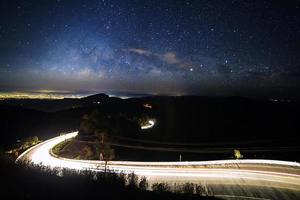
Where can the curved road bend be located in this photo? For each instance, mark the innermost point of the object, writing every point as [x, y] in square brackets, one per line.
[228, 179]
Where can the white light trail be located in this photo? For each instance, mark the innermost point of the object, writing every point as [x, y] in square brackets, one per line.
[273, 173]
[149, 125]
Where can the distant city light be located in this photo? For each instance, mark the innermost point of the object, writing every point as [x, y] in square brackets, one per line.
[41, 94]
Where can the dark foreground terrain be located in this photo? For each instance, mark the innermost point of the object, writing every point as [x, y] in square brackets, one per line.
[34, 182]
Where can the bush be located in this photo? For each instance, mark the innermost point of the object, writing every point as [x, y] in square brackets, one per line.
[161, 187]
[40, 182]
[143, 185]
[200, 190]
[132, 181]
[188, 188]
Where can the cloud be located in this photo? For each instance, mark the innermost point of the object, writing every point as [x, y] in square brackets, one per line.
[171, 58]
[139, 51]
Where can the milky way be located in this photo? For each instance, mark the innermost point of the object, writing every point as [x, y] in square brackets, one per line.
[156, 47]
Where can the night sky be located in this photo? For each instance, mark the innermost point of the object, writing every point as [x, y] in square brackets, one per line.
[204, 47]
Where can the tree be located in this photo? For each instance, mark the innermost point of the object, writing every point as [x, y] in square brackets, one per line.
[132, 180]
[95, 123]
[86, 126]
[28, 142]
[237, 154]
[106, 153]
[143, 185]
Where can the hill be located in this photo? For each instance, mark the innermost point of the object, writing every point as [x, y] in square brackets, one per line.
[188, 119]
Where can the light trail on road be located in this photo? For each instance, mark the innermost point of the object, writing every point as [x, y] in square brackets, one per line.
[150, 125]
[280, 176]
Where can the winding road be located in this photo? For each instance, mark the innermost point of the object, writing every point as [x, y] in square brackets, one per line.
[227, 179]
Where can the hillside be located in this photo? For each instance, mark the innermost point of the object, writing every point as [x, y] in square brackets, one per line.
[184, 119]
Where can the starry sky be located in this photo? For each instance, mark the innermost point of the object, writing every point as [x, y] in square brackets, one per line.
[172, 47]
